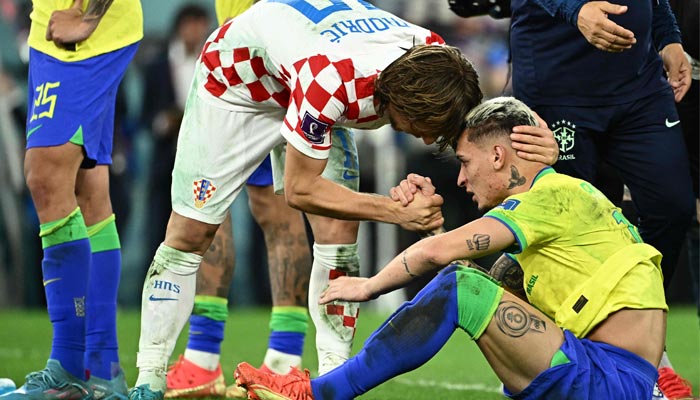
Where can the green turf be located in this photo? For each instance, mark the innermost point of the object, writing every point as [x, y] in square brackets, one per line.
[457, 372]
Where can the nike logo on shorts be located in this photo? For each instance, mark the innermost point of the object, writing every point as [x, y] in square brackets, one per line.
[349, 176]
[46, 282]
[154, 298]
[670, 124]
[33, 130]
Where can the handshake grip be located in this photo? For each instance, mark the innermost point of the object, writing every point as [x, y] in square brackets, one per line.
[505, 270]
[497, 9]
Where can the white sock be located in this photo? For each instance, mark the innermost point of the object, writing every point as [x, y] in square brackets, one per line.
[279, 362]
[166, 305]
[203, 359]
[335, 322]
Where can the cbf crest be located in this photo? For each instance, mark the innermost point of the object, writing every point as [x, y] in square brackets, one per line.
[203, 190]
[564, 132]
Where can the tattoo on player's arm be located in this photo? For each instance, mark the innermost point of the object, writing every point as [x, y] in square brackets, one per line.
[515, 178]
[96, 9]
[515, 320]
[405, 265]
[480, 241]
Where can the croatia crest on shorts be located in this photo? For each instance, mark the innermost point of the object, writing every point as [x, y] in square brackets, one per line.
[203, 190]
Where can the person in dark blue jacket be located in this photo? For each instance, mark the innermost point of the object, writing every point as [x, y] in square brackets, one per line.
[603, 90]
[606, 78]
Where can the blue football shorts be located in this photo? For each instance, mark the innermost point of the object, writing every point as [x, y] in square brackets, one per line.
[262, 176]
[74, 102]
[595, 371]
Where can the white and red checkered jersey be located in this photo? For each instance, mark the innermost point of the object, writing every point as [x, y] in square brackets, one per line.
[316, 58]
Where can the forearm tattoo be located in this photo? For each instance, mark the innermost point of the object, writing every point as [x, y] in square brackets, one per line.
[515, 178]
[515, 320]
[405, 265]
[96, 9]
[479, 241]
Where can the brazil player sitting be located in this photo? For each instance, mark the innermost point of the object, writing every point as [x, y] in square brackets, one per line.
[596, 310]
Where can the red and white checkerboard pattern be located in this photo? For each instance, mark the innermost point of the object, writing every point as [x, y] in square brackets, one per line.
[349, 316]
[241, 72]
[271, 57]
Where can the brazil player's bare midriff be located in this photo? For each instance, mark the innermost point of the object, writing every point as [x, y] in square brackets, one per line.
[643, 332]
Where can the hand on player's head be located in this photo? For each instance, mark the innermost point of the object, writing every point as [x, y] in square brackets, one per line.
[535, 143]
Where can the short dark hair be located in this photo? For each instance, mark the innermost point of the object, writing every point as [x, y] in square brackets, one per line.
[188, 11]
[497, 117]
[433, 87]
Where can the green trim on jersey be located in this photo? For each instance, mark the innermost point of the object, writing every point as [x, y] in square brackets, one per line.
[580, 257]
[103, 235]
[289, 319]
[212, 307]
[545, 171]
[515, 229]
[64, 230]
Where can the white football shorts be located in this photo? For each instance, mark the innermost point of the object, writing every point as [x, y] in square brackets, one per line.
[218, 149]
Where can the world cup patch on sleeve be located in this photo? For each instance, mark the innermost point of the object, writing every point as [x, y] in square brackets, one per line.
[509, 204]
[314, 130]
[203, 190]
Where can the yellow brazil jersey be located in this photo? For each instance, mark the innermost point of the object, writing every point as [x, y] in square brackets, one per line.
[582, 260]
[121, 26]
[227, 9]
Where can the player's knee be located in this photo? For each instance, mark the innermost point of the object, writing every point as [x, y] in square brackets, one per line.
[39, 187]
[48, 195]
[478, 296]
[174, 260]
[188, 235]
[450, 269]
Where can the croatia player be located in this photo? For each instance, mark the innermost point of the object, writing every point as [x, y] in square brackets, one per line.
[311, 65]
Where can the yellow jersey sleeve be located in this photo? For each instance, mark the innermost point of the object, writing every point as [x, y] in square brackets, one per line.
[532, 216]
[227, 9]
[581, 259]
[121, 26]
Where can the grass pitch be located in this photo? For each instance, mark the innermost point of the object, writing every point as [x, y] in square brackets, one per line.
[457, 372]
